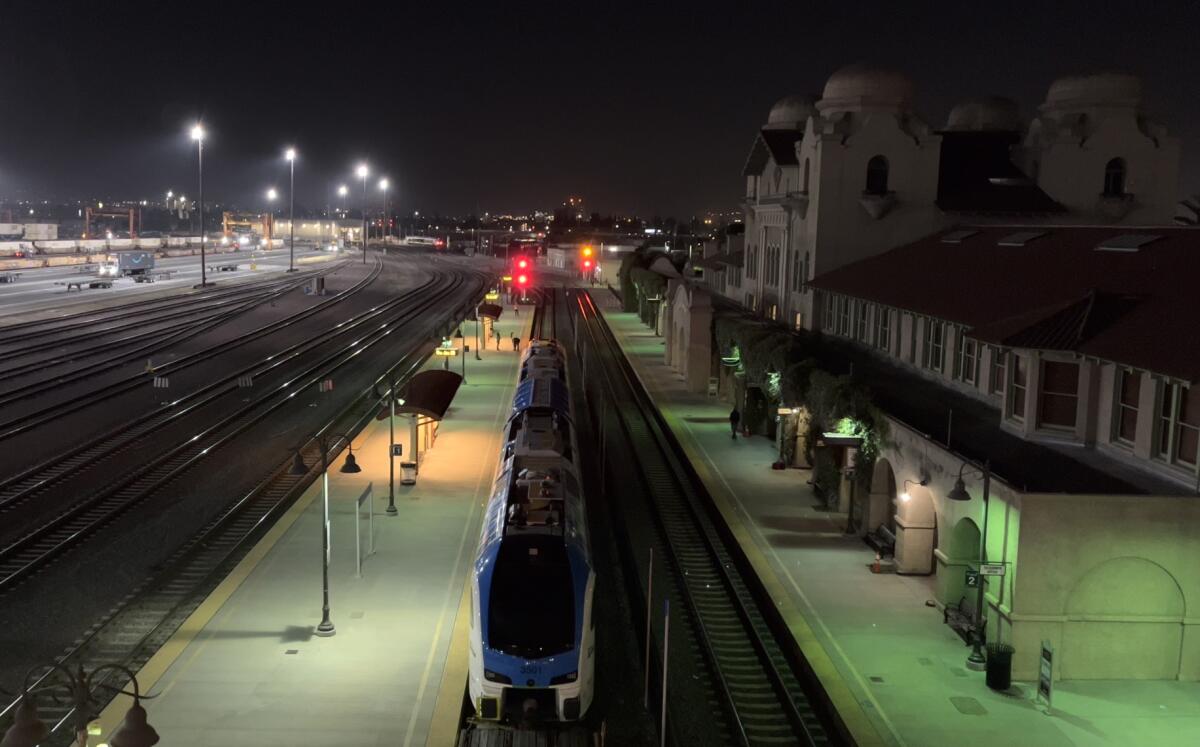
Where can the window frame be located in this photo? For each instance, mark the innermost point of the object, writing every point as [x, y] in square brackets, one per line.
[930, 345]
[998, 370]
[843, 316]
[1116, 170]
[883, 327]
[1173, 393]
[1015, 389]
[1043, 393]
[861, 328]
[960, 359]
[877, 177]
[1122, 408]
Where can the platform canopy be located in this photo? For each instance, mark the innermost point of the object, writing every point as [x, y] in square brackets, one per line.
[429, 393]
[490, 310]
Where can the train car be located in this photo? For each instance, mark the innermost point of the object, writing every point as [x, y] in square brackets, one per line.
[532, 638]
[131, 262]
[543, 359]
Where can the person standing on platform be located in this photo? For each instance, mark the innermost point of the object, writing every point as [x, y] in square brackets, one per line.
[735, 417]
[516, 343]
[496, 333]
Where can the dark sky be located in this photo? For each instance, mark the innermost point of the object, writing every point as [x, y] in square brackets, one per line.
[511, 106]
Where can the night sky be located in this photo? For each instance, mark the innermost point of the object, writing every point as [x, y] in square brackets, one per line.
[512, 106]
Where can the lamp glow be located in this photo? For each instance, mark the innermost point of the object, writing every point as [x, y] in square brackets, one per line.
[272, 194]
[362, 171]
[383, 184]
[197, 132]
[342, 191]
[290, 154]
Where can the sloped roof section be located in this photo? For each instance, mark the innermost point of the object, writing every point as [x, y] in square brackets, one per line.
[777, 144]
[1058, 292]
[976, 175]
[430, 393]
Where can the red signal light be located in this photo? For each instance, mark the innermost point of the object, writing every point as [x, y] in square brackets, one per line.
[522, 263]
[587, 264]
[522, 280]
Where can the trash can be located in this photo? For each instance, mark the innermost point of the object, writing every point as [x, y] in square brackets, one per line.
[408, 473]
[999, 665]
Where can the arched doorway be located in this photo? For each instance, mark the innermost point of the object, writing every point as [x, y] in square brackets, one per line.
[881, 500]
[755, 412]
[1124, 620]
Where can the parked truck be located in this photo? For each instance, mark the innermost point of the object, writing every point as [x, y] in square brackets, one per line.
[120, 264]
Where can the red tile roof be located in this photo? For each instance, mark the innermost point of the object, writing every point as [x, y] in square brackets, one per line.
[1139, 308]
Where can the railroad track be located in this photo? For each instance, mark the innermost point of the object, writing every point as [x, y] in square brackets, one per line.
[135, 346]
[50, 413]
[740, 669]
[154, 611]
[126, 312]
[35, 550]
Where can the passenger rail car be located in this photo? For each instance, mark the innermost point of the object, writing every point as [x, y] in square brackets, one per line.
[532, 640]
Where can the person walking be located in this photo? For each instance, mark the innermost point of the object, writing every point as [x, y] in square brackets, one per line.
[735, 417]
[516, 343]
[496, 334]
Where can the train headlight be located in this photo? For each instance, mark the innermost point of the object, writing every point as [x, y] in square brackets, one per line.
[563, 679]
[491, 676]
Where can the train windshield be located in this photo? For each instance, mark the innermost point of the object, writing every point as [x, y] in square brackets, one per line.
[531, 610]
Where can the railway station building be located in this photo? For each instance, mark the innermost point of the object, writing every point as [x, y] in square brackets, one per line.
[1012, 293]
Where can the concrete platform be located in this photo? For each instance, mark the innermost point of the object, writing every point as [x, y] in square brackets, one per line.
[895, 670]
[246, 669]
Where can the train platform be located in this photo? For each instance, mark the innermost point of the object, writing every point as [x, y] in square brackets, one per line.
[895, 672]
[247, 669]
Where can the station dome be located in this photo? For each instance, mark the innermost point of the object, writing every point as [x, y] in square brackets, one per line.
[791, 112]
[861, 86]
[988, 113]
[1101, 89]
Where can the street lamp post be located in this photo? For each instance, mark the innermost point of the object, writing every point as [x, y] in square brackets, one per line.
[343, 190]
[391, 507]
[198, 136]
[383, 232]
[80, 687]
[362, 172]
[290, 154]
[976, 660]
[270, 225]
[299, 468]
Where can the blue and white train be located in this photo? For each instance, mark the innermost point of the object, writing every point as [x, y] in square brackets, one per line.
[532, 653]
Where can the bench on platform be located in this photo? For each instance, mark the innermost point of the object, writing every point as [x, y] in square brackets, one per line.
[882, 540]
[961, 619]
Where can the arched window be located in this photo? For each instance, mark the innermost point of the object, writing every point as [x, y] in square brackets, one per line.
[1114, 178]
[877, 176]
[805, 189]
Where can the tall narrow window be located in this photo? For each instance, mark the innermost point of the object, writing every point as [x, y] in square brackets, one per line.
[1129, 384]
[1017, 385]
[860, 321]
[805, 176]
[966, 362]
[1059, 394]
[829, 322]
[934, 355]
[1179, 425]
[1114, 178]
[999, 359]
[883, 328]
[877, 176]
[843, 327]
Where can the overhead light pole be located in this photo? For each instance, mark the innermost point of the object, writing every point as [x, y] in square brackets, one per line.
[300, 469]
[198, 136]
[976, 660]
[343, 190]
[383, 187]
[362, 172]
[270, 223]
[290, 155]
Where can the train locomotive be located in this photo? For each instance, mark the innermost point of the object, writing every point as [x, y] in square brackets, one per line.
[532, 636]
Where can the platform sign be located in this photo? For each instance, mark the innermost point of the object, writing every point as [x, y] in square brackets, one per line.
[992, 569]
[397, 450]
[1046, 673]
[972, 579]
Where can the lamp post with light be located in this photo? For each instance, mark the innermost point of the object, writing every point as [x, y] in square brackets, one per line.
[383, 232]
[343, 190]
[80, 687]
[976, 660]
[270, 226]
[198, 136]
[362, 172]
[300, 469]
[290, 155]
